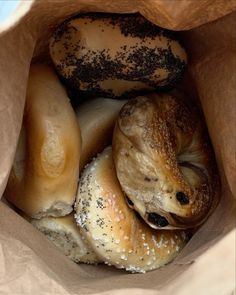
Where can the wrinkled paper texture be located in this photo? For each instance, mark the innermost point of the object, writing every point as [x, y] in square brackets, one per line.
[29, 263]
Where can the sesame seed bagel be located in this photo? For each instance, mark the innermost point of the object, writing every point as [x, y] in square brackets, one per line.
[114, 231]
[65, 234]
[112, 55]
[44, 175]
[96, 119]
[164, 161]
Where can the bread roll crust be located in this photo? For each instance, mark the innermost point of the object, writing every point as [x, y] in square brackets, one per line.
[113, 230]
[44, 176]
[97, 119]
[164, 161]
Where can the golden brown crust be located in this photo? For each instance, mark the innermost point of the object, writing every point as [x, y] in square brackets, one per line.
[114, 231]
[164, 161]
[44, 175]
[97, 119]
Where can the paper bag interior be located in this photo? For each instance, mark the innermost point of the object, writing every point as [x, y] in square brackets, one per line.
[29, 262]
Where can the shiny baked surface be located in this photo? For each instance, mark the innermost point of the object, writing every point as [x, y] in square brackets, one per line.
[164, 161]
[113, 230]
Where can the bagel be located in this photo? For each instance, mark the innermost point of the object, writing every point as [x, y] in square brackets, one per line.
[96, 119]
[65, 234]
[44, 176]
[113, 55]
[116, 234]
[164, 161]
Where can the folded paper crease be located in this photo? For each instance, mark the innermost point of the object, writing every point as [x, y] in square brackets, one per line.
[29, 263]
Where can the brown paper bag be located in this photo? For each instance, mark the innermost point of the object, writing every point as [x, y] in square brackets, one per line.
[29, 263]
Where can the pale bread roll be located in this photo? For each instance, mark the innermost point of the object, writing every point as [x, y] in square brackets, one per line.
[113, 230]
[97, 119]
[65, 234]
[45, 172]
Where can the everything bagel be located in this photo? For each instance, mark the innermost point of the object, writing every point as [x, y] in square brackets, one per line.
[116, 234]
[164, 161]
[65, 234]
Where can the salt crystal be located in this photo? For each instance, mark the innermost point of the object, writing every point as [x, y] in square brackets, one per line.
[123, 257]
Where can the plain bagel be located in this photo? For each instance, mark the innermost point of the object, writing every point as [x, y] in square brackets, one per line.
[164, 161]
[44, 176]
[114, 231]
[112, 55]
[96, 119]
